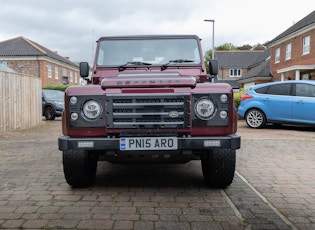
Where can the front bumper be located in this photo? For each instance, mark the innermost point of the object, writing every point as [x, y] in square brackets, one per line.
[232, 141]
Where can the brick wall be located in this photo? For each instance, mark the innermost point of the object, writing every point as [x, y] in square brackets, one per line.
[28, 67]
[38, 68]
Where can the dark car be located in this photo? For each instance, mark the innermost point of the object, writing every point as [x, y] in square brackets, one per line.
[279, 102]
[53, 103]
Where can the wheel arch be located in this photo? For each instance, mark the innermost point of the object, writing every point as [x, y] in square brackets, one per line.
[257, 105]
[251, 108]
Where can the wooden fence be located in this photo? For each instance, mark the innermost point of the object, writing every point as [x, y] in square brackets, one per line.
[20, 101]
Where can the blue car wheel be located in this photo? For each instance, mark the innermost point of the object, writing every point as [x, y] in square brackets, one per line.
[255, 118]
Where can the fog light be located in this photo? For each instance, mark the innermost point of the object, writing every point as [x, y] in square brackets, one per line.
[85, 144]
[74, 116]
[223, 114]
[212, 143]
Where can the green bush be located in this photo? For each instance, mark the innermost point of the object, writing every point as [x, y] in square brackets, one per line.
[237, 98]
[58, 87]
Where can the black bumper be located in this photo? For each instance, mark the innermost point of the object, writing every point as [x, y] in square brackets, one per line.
[232, 141]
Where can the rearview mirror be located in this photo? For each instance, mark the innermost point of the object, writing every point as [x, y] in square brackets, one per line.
[213, 67]
[84, 69]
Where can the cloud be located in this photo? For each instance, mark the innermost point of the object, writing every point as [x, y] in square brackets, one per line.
[71, 27]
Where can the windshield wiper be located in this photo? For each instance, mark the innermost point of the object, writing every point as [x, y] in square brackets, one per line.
[122, 67]
[163, 67]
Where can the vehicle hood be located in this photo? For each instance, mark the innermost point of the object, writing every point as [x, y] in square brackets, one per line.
[152, 80]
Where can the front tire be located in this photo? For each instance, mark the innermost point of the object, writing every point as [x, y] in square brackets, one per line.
[218, 168]
[49, 113]
[255, 118]
[79, 167]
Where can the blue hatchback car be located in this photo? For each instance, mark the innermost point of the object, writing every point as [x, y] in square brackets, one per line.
[279, 102]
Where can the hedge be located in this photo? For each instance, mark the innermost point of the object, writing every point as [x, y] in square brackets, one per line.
[58, 87]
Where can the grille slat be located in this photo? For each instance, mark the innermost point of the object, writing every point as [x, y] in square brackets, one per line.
[147, 111]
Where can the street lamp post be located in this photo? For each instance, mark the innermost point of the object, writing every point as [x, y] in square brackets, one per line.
[211, 20]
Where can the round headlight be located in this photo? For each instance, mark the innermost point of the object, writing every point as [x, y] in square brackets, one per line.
[204, 108]
[92, 109]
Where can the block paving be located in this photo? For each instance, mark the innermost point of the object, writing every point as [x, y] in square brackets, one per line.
[274, 187]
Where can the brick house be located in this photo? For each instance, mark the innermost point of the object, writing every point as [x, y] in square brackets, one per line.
[27, 57]
[258, 71]
[292, 53]
[243, 68]
[235, 64]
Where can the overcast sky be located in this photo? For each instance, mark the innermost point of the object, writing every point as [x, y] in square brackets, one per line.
[71, 27]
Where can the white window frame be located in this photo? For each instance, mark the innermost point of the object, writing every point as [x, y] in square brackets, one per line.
[71, 76]
[49, 73]
[64, 73]
[235, 72]
[288, 50]
[306, 44]
[277, 55]
[75, 77]
[56, 72]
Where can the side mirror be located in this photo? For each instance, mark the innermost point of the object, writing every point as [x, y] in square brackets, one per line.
[213, 67]
[84, 69]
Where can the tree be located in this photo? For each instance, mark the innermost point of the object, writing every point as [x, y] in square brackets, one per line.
[259, 47]
[230, 46]
[226, 46]
[245, 47]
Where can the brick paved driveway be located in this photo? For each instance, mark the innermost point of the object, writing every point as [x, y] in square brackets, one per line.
[274, 187]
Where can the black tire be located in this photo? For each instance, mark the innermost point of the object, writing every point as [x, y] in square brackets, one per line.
[79, 167]
[255, 118]
[218, 168]
[49, 113]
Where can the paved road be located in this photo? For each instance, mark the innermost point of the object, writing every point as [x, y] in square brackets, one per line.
[274, 187]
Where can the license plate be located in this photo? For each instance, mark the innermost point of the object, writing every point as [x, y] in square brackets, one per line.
[148, 143]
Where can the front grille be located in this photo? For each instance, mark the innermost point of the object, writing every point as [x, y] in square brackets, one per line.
[148, 111]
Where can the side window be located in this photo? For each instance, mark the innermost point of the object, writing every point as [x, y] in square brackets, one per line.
[279, 89]
[261, 90]
[305, 90]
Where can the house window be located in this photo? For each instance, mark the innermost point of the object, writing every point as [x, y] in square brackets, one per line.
[75, 77]
[71, 76]
[235, 72]
[56, 73]
[64, 72]
[277, 55]
[288, 48]
[48, 70]
[306, 45]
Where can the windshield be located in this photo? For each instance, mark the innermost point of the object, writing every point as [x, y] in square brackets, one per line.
[183, 51]
[53, 94]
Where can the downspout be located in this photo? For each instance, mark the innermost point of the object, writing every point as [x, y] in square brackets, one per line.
[39, 70]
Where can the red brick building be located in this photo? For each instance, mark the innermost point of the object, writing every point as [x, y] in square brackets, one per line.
[28, 57]
[292, 53]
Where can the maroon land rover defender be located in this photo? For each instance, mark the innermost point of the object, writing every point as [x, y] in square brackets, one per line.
[149, 101]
